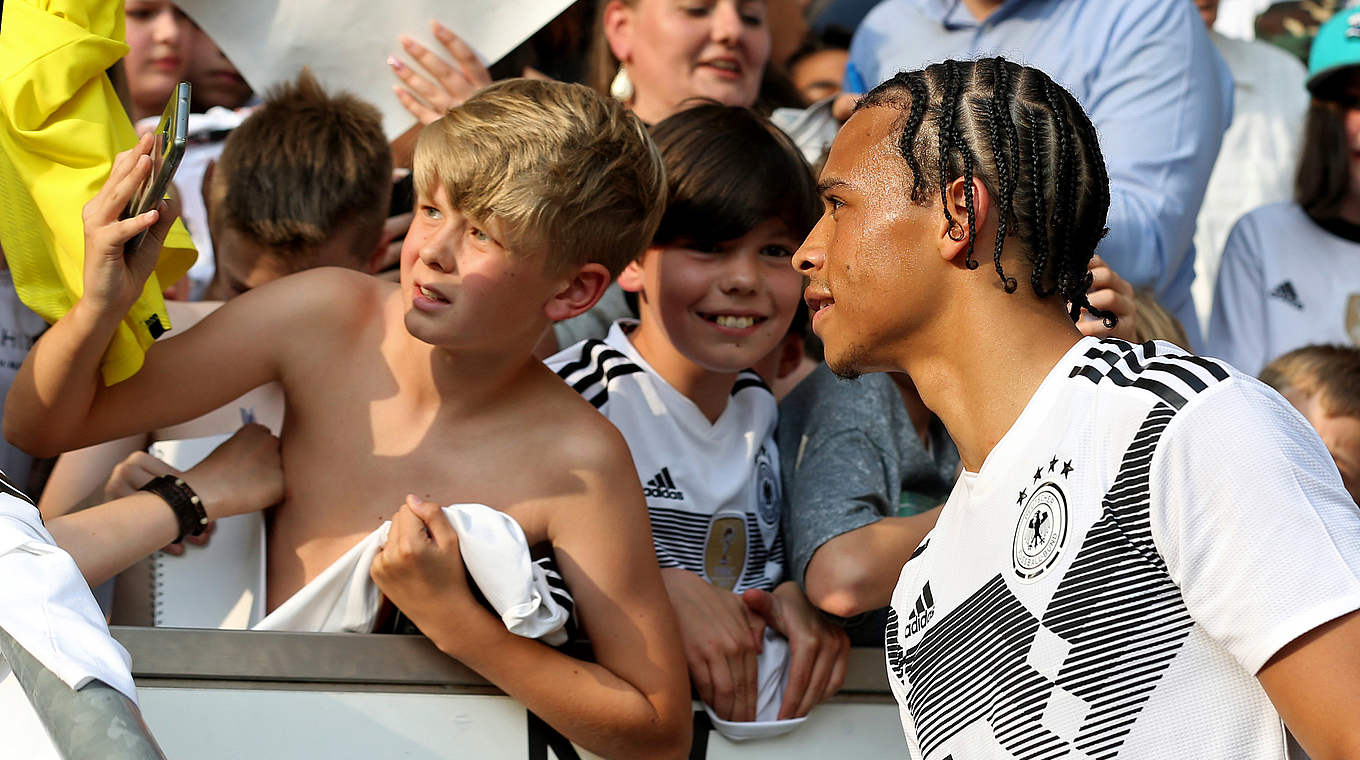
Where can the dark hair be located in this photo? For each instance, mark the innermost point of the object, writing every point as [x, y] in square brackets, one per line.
[1324, 174]
[1029, 143]
[727, 171]
[305, 166]
[830, 38]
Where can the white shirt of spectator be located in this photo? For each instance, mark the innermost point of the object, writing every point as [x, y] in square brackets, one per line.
[1284, 283]
[1260, 152]
[1237, 18]
[1149, 532]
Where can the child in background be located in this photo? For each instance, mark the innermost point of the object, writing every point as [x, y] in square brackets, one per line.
[301, 143]
[1323, 383]
[531, 196]
[716, 294]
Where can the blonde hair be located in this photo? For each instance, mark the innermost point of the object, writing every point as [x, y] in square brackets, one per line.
[1329, 372]
[1151, 321]
[564, 170]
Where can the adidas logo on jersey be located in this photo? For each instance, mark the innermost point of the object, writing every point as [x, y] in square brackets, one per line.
[922, 613]
[662, 487]
[1285, 292]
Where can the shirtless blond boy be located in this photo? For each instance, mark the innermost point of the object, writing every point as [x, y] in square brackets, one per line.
[531, 196]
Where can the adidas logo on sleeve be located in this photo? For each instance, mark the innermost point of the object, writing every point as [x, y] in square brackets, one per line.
[661, 486]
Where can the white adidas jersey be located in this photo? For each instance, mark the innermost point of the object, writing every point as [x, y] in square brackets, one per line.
[1284, 283]
[712, 489]
[1149, 532]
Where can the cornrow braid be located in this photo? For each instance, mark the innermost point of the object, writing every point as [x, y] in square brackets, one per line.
[920, 100]
[1002, 151]
[1064, 205]
[1041, 247]
[946, 133]
[960, 144]
[1101, 197]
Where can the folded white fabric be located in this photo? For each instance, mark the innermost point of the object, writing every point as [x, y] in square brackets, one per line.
[495, 551]
[46, 606]
[772, 674]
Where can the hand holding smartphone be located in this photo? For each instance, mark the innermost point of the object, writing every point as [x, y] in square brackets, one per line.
[167, 149]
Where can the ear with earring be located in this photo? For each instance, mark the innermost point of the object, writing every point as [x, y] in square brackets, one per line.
[956, 232]
[622, 86]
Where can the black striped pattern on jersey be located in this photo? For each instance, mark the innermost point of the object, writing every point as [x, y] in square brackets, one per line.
[560, 593]
[972, 666]
[748, 378]
[1172, 377]
[590, 373]
[1116, 607]
[679, 537]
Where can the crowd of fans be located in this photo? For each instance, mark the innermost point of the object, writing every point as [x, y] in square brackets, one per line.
[634, 235]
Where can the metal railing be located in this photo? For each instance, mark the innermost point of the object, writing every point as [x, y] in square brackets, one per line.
[95, 722]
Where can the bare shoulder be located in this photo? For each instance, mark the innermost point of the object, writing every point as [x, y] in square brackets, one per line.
[333, 291]
[582, 458]
[584, 439]
[313, 305]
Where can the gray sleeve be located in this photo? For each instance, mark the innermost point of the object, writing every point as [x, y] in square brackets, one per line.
[837, 483]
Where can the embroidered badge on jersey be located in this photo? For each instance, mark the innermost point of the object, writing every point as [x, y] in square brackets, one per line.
[767, 496]
[1041, 531]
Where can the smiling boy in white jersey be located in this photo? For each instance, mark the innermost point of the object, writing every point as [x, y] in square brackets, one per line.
[716, 295]
[1149, 554]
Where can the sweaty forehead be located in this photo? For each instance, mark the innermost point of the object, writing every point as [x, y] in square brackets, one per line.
[864, 156]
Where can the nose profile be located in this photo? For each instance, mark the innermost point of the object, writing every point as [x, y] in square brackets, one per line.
[810, 255]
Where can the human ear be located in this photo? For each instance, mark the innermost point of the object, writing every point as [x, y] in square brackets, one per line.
[618, 29]
[632, 277]
[953, 236]
[578, 294]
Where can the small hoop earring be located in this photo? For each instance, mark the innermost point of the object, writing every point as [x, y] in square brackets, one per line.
[621, 88]
[956, 232]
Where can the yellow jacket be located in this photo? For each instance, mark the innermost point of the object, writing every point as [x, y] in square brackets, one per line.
[62, 125]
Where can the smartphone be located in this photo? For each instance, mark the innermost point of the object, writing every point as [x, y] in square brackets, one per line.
[167, 148]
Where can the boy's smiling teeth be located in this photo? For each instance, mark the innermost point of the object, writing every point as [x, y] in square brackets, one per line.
[430, 294]
[729, 320]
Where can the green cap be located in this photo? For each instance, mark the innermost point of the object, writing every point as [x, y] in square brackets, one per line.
[1335, 49]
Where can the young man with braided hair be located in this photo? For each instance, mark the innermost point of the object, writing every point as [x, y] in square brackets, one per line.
[1148, 76]
[1148, 554]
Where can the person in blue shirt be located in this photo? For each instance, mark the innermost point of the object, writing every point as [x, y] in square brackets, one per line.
[1145, 70]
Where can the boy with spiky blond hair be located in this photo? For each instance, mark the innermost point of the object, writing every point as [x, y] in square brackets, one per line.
[531, 197]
